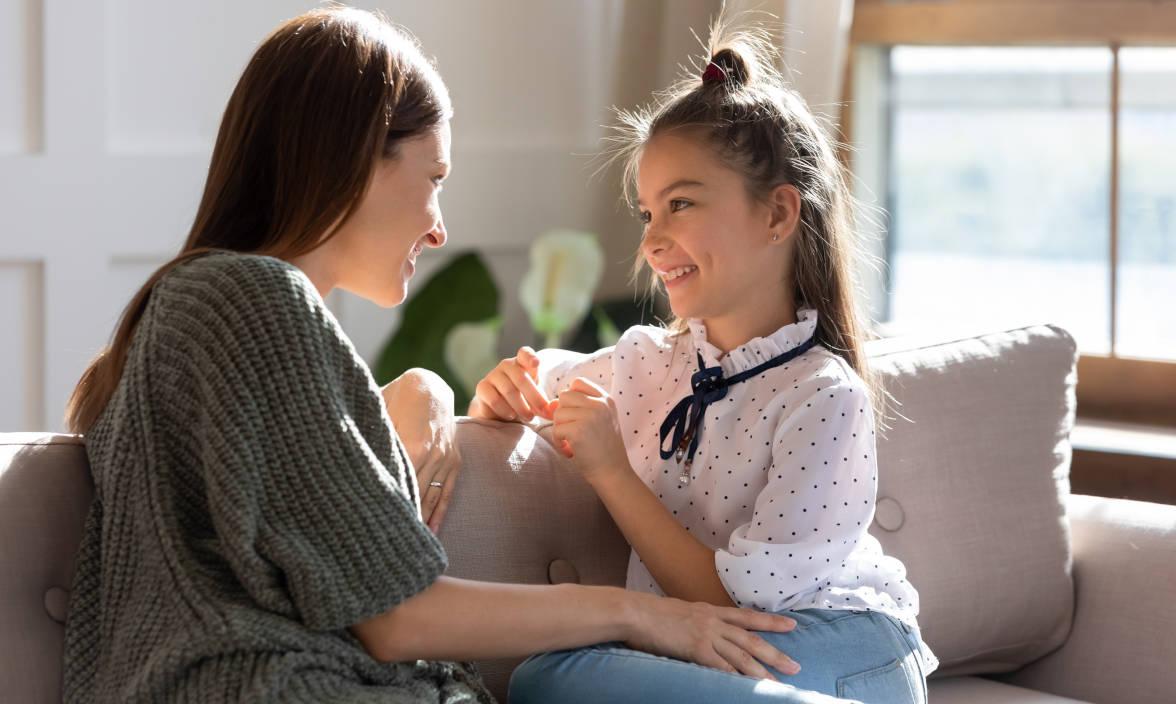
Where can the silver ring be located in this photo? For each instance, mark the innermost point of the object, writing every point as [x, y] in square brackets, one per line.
[437, 484]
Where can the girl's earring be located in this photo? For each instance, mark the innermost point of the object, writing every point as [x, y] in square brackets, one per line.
[776, 237]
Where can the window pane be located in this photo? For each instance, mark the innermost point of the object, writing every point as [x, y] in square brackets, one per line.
[1147, 203]
[999, 188]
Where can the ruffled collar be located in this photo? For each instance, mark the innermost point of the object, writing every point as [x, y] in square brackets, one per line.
[757, 350]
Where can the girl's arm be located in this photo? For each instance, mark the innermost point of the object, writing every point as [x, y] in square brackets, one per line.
[682, 565]
[587, 430]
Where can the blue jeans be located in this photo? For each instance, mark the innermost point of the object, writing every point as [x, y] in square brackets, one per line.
[862, 656]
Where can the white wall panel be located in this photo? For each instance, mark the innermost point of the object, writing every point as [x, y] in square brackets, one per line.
[22, 354]
[20, 76]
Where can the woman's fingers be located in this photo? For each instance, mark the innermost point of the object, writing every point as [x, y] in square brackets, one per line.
[763, 651]
[741, 660]
[751, 620]
[446, 492]
[711, 658]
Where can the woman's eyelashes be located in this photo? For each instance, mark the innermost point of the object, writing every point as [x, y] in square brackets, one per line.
[675, 205]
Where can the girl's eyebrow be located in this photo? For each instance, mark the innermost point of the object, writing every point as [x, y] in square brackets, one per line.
[680, 183]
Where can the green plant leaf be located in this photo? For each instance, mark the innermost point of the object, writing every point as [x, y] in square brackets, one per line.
[460, 292]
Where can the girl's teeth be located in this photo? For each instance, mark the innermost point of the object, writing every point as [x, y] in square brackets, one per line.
[680, 271]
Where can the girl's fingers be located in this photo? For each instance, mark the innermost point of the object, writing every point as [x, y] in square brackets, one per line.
[561, 442]
[529, 361]
[572, 414]
[587, 387]
[493, 400]
[763, 651]
[742, 660]
[534, 397]
[511, 394]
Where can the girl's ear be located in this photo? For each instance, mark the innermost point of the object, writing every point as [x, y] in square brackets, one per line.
[784, 202]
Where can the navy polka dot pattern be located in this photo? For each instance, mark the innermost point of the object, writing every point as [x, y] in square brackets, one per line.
[785, 479]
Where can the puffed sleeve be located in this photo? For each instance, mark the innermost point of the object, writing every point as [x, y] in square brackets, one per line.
[816, 506]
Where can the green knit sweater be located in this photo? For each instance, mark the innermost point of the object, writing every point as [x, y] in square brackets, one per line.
[252, 501]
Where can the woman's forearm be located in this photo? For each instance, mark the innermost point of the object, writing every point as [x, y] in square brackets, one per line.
[457, 619]
[683, 566]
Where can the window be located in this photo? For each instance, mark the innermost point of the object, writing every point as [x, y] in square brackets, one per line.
[1025, 157]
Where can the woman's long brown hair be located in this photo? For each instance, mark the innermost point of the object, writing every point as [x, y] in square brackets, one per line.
[325, 96]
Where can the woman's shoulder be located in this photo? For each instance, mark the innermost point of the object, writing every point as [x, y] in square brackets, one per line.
[260, 278]
[231, 296]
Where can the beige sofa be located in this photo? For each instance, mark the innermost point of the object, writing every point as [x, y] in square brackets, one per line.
[1029, 594]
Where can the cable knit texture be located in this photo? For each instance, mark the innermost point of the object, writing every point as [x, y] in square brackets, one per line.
[252, 501]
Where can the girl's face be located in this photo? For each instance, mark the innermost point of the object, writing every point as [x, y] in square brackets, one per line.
[709, 242]
[374, 254]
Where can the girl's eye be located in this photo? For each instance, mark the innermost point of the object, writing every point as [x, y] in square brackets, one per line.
[678, 204]
[438, 180]
[644, 217]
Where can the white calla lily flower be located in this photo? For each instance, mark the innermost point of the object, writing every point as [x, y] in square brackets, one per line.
[471, 351]
[566, 266]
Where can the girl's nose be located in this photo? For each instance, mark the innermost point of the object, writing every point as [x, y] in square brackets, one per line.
[438, 236]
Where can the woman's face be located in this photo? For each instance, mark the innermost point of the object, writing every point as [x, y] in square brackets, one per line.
[374, 253]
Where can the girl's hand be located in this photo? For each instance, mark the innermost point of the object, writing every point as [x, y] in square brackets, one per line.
[420, 405]
[511, 392]
[714, 636]
[588, 430]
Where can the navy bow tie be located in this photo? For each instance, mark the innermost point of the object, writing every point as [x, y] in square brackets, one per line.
[709, 385]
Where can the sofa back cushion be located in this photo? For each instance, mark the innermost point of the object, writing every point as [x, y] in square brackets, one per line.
[972, 487]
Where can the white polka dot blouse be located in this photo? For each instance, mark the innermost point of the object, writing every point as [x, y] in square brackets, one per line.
[785, 476]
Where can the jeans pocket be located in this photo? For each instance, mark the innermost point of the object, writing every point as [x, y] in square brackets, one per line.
[889, 684]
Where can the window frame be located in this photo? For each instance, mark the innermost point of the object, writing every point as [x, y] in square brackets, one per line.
[1110, 386]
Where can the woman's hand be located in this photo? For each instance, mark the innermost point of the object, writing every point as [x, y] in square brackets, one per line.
[510, 391]
[588, 430]
[715, 636]
[420, 404]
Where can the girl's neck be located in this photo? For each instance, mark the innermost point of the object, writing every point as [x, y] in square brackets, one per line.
[726, 332]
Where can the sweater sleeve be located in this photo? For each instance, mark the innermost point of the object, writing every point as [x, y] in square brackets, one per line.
[310, 493]
[816, 506]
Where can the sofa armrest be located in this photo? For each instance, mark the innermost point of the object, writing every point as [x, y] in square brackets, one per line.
[1121, 647]
[521, 513]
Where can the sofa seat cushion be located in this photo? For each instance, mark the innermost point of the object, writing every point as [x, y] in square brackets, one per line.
[978, 690]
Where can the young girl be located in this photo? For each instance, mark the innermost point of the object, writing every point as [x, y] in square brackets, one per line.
[735, 449]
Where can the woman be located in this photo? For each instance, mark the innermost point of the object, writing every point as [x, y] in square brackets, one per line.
[256, 531]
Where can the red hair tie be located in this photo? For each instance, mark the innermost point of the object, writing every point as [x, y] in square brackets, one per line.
[713, 73]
